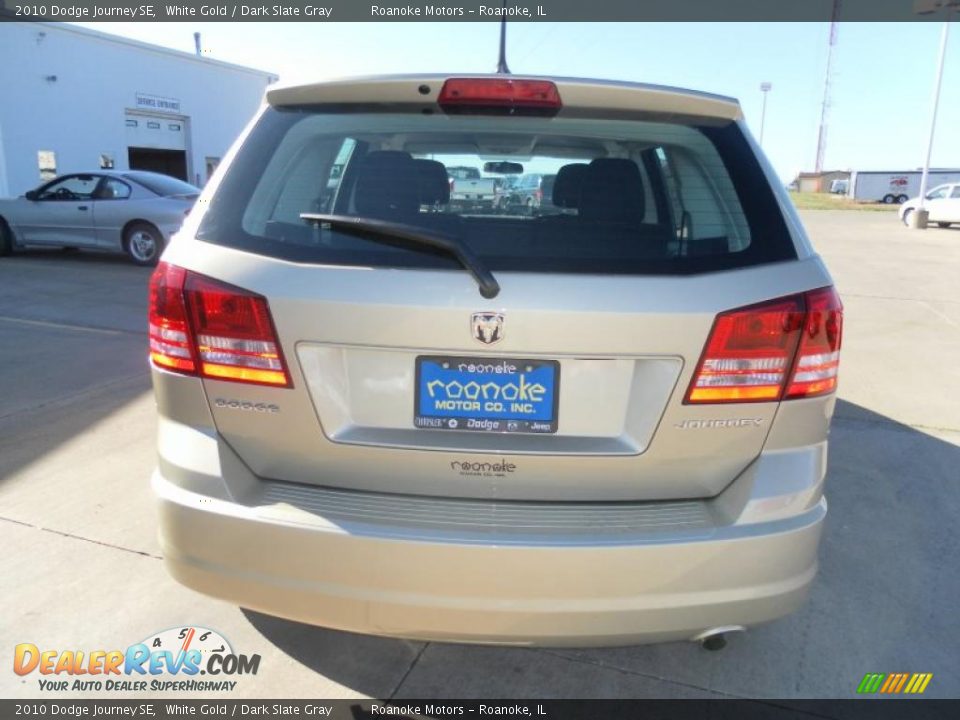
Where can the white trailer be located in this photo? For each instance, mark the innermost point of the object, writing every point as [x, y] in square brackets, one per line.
[894, 187]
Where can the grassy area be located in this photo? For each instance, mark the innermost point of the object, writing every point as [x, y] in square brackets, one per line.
[829, 201]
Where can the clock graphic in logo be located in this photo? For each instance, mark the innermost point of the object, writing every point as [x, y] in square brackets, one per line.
[181, 639]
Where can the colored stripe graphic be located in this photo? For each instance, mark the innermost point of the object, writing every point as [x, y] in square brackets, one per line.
[890, 683]
[894, 683]
[871, 682]
[923, 679]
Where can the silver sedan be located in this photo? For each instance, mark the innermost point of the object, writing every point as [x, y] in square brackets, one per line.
[134, 211]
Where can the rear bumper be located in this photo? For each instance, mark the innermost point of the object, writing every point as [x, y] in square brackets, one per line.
[363, 562]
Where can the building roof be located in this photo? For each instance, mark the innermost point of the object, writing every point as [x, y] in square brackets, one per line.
[822, 173]
[179, 54]
[906, 172]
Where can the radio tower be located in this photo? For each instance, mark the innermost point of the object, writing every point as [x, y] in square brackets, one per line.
[825, 105]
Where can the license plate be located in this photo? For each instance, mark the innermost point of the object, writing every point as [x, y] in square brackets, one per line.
[487, 394]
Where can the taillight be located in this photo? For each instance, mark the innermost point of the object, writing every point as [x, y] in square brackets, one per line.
[170, 345]
[818, 358]
[500, 95]
[753, 352]
[200, 326]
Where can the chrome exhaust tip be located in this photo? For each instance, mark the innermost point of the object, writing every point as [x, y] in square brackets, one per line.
[715, 638]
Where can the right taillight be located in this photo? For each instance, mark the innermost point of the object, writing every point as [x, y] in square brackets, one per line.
[201, 326]
[818, 357]
[781, 349]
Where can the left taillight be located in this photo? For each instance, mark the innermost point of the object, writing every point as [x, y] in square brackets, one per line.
[201, 326]
[170, 345]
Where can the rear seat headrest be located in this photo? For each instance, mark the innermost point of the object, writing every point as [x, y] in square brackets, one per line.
[567, 186]
[612, 191]
[433, 184]
[387, 184]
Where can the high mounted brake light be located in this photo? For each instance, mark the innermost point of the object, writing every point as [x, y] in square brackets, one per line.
[200, 326]
[753, 352]
[500, 95]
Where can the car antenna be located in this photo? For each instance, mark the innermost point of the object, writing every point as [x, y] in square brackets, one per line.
[502, 68]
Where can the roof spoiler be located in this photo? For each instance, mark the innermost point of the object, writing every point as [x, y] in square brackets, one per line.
[579, 96]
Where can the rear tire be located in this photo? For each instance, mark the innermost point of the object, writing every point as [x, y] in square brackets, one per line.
[143, 244]
[6, 239]
[901, 199]
[889, 200]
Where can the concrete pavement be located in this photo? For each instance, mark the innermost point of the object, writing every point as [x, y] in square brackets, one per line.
[81, 568]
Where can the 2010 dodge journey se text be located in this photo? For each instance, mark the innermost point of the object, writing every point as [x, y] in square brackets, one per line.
[596, 416]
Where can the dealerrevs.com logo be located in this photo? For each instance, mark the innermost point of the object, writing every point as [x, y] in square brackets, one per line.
[184, 659]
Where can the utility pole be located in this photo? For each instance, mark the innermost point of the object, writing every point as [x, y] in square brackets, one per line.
[825, 105]
[764, 88]
[919, 217]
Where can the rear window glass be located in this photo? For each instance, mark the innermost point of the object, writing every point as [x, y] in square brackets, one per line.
[163, 184]
[576, 195]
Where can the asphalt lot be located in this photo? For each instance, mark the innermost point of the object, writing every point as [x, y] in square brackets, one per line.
[80, 566]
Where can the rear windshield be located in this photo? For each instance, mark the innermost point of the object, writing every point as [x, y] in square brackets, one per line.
[163, 184]
[568, 195]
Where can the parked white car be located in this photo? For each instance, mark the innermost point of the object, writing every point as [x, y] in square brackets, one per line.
[943, 204]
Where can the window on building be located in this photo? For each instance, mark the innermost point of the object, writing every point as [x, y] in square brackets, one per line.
[131, 123]
[47, 163]
[174, 126]
[106, 161]
[153, 125]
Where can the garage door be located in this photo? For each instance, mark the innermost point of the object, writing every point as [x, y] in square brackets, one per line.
[157, 143]
[156, 131]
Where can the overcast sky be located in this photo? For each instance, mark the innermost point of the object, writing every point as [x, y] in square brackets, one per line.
[883, 73]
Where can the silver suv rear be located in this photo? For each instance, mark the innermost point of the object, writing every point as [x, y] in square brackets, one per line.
[603, 424]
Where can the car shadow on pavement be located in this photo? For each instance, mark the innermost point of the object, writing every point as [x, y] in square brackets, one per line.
[74, 255]
[883, 601]
[73, 347]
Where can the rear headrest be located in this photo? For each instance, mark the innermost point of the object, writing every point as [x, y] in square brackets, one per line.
[433, 183]
[612, 191]
[387, 184]
[566, 188]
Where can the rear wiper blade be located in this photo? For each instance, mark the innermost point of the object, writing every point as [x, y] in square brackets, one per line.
[383, 230]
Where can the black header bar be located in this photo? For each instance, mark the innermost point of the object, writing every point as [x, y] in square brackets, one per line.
[721, 709]
[469, 11]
